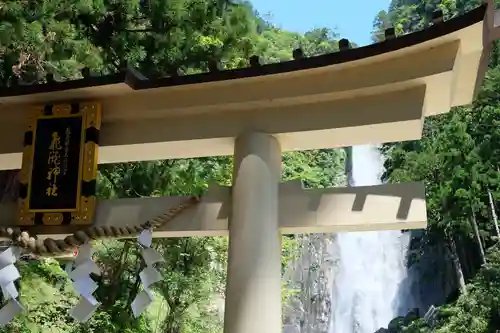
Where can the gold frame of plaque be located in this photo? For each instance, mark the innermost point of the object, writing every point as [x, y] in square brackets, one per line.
[59, 167]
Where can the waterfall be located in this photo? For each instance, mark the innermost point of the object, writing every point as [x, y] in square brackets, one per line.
[365, 291]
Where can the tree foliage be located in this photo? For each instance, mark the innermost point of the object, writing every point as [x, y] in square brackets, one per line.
[457, 159]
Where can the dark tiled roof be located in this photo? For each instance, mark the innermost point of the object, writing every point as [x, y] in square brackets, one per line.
[346, 54]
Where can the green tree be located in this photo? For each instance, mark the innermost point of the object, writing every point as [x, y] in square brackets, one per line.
[38, 38]
[457, 160]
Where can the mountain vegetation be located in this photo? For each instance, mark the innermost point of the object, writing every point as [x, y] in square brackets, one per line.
[457, 159]
[56, 39]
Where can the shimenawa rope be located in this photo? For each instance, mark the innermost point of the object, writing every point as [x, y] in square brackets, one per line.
[51, 246]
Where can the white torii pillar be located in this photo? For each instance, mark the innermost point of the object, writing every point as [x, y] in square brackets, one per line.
[253, 290]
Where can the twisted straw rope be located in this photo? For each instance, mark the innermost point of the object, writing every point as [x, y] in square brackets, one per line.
[51, 246]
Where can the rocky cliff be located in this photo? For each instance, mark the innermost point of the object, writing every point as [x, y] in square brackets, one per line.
[312, 274]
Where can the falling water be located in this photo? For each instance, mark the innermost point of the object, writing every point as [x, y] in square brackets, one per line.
[371, 265]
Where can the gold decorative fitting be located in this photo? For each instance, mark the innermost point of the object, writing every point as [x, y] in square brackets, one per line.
[26, 218]
[86, 213]
[61, 110]
[52, 218]
[90, 161]
[93, 112]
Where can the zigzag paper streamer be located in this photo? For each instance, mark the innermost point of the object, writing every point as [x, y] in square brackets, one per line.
[148, 275]
[83, 283]
[9, 274]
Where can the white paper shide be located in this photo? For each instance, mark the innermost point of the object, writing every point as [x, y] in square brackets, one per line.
[9, 274]
[148, 275]
[83, 283]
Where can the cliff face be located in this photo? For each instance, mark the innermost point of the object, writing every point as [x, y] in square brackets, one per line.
[432, 278]
[312, 274]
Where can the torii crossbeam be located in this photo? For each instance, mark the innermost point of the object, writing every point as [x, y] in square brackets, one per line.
[369, 95]
[367, 208]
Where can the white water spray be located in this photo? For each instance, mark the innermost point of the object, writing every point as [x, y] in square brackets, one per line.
[371, 266]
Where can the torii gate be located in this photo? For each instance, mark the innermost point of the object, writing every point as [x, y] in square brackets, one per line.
[374, 94]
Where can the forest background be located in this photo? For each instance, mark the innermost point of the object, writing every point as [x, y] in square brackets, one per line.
[457, 158]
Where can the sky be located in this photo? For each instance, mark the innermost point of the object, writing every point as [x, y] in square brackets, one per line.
[351, 19]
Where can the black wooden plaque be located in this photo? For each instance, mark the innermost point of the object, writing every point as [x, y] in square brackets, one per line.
[55, 175]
